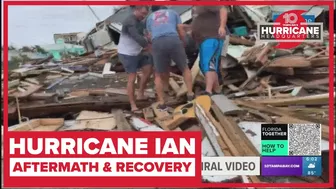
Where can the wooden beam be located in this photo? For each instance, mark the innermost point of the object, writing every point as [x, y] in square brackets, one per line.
[194, 72]
[277, 111]
[148, 113]
[122, 123]
[237, 137]
[227, 106]
[320, 99]
[173, 84]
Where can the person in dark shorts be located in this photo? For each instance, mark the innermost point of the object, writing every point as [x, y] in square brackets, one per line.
[132, 53]
[208, 30]
[167, 35]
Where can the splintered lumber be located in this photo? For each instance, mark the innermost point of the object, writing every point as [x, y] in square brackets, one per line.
[315, 84]
[46, 124]
[210, 130]
[121, 122]
[321, 61]
[226, 105]
[32, 80]
[42, 96]
[148, 114]
[235, 134]
[90, 103]
[278, 111]
[211, 126]
[320, 99]
[288, 119]
[243, 85]
[90, 120]
[31, 89]
[242, 144]
[173, 84]
[194, 72]
[162, 114]
[114, 91]
[13, 83]
[291, 61]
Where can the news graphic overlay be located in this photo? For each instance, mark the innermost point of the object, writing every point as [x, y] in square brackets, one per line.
[274, 140]
[290, 29]
[291, 150]
[229, 166]
[103, 159]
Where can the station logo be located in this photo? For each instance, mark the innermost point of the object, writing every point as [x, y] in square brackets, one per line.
[290, 29]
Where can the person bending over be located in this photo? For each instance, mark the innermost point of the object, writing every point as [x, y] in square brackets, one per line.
[167, 35]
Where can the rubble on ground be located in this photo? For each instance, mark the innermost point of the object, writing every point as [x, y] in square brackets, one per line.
[261, 83]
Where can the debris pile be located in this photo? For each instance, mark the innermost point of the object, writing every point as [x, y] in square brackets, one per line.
[261, 84]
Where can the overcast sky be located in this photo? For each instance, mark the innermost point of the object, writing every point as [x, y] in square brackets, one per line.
[34, 25]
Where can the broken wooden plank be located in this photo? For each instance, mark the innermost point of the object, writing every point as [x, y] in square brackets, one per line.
[107, 70]
[320, 61]
[210, 130]
[90, 120]
[114, 91]
[261, 69]
[320, 99]
[14, 83]
[174, 85]
[121, 122]
[148, 114]
[194, 72]
[277, 111]
[67, 70]
[242, 144]
[96, 74]
[46, 124]
[281, 71]
[27, 93]
[291, 61]
[42, 96]
[32, 80]
[57, 82]
[227, 106]
[315, 84]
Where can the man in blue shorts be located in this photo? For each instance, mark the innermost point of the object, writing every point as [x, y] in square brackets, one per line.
[167, 34]
[132, 53]
[208, 30]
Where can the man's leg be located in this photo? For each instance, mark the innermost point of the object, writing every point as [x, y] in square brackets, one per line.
[179, 56]
[165, 83]
[161, 65]
[218, 63]
[130, 65]
[210, 52]
[147, 69]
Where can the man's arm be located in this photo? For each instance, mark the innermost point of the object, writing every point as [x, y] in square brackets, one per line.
[130, 25]
[148, 27]
[223, 16]
[180, 27]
